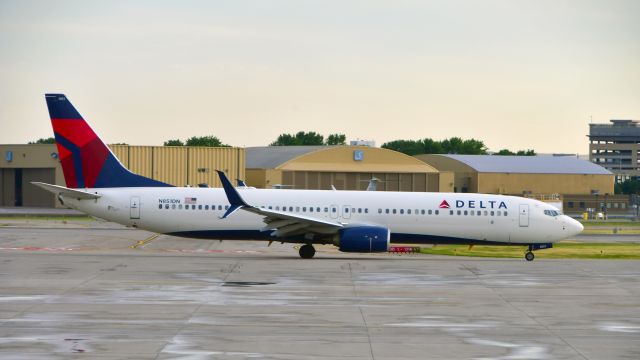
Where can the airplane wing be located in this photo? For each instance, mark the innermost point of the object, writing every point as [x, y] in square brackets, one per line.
[283, 223]
[65, 191]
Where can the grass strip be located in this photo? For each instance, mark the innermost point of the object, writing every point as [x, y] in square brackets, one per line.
[566, 250]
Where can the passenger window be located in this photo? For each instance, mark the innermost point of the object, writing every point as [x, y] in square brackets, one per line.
[486, 213]
[206, 207]
[437, 212]
[346, 209]
[499, 213]
[173, 206]
[459, 212]
[226, 207]
[180, 206]
[450, 212]
[326, 209]
[297, 208]
[401, 211]
[270, 208]
[333, 209]
[199, 207]
[492, 213]
[366, 211]
[386, 211]
[505, 213]
[290, 208]
[160, 206]
[318, 209]
[193, 207]
[394, 211]
[311, 209]
[219, 207]
[304, 209]
[379, 210]
[465, 213]
[359, 210]
[409, 211]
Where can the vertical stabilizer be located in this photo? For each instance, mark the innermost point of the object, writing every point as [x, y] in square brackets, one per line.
[86, 161]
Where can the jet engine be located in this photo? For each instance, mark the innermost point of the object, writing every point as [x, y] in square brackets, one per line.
[363, 239]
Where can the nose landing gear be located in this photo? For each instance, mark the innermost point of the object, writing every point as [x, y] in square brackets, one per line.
[529, 256]
[532, 247]
[307, 251]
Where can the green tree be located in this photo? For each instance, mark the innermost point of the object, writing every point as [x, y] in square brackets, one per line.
[174, 142]
[48, 140]
[300, 138]
[505, 152]
[210, 141]
[630, 186]
[409, 147]
[452, 145]
[336, 139]
[430, 146]
[529, 152]
[473, 147]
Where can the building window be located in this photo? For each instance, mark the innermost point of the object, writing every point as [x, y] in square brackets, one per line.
[570, 204]
[582, 205]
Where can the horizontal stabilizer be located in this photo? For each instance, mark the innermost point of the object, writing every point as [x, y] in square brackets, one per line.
[64, 191]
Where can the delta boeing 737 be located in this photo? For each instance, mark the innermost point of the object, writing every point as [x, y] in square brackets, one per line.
[354, 221]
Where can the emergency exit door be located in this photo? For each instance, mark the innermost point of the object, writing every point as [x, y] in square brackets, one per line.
[524, 215]
[135, 207]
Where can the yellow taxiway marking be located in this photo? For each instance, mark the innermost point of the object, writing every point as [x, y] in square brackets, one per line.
[144, 242]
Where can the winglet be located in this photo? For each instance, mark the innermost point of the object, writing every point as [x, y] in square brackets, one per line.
[241, 183]
[233, 196]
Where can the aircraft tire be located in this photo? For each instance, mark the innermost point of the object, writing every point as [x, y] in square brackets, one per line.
[529, 256]
[307, 251]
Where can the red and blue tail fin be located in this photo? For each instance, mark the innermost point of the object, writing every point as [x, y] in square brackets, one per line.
[86, 161]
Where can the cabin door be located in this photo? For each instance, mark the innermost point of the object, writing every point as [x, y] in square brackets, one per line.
[135, 207]
[524, 215]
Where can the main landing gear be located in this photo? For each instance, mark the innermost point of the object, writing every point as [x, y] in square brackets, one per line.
[307, 251]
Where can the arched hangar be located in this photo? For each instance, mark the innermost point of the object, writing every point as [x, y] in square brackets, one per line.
[344, 167]
[521, 175]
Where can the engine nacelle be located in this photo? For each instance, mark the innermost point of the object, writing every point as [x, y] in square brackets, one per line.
[364, 239]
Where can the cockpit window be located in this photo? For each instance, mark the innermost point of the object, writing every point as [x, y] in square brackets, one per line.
[552, 212]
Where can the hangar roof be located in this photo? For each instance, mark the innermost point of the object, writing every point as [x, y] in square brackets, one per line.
[270, 157]
[529, 164]
[334, 158]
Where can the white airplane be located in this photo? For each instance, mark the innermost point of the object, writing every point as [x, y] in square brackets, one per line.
[354, 221]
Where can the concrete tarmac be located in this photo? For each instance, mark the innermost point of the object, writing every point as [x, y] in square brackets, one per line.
[87, 289]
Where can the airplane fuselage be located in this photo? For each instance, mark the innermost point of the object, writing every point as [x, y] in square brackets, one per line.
[417, 218]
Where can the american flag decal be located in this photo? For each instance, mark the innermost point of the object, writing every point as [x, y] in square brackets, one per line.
[190, 201]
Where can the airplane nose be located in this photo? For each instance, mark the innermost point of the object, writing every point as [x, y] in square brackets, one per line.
[573, 225]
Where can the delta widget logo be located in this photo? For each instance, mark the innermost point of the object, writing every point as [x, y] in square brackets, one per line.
[444, 204]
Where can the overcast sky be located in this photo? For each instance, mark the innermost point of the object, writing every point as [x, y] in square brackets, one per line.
[515, 74]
